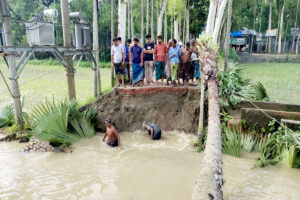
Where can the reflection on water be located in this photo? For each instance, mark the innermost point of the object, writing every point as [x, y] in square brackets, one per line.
[140, 169]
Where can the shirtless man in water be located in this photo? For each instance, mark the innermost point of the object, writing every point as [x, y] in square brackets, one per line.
[112, 134]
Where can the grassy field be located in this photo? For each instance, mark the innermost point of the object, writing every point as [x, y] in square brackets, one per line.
[44, 80]
[38, 82]
[282, 80]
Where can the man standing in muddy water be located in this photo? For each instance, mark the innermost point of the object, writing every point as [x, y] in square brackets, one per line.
[153, 130]
[112, 134]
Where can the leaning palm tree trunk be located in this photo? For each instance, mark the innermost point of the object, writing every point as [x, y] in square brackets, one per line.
[210, 180]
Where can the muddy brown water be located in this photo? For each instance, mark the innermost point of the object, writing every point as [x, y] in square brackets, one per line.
[140, 169]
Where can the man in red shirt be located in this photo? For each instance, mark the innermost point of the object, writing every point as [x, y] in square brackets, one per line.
[160, 52]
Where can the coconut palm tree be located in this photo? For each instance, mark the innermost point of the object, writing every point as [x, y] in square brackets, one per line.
[281, 24]
[295, 26]
[112, 35]
[142, 23]
[270, 25]
[228, 35]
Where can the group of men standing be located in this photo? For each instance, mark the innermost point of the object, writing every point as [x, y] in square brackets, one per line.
[172, 62]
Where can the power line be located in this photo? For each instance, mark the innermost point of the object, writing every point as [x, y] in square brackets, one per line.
[262, 111]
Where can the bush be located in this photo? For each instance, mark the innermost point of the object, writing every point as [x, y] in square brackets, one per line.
[62, 124]
[234, 87]
[7, 116]
[231, 142]
[232, 55]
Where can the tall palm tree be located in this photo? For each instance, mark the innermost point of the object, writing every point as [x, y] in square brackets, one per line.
[295, 25]
[142, 23]
[147, 16]
[228, 35]
[152, 19]
[270, 25]
[112, 35]
[281, 25]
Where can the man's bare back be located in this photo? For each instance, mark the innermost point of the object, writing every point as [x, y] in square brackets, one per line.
[111, 134]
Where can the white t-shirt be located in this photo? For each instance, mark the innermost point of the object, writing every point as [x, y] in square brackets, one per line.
[117, 52]
[193, 56]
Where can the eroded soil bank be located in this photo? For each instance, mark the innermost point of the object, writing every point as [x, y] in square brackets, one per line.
[173, 108]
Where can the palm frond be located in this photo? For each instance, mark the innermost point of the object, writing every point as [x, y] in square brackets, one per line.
[259, 92]
[7, 115]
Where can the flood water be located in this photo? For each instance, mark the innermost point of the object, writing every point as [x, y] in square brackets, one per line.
[141, 169]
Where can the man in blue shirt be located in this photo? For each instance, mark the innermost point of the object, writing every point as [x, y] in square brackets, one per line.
[148, 51]
[136, 60]
[174, 54]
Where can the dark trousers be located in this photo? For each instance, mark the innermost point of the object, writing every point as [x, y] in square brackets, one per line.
[186, 71]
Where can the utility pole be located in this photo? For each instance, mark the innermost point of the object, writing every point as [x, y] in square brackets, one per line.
[96, 69]
[67, 43]
[12, 65]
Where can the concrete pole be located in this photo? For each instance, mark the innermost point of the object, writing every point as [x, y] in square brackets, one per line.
[12, 66]
[67, 43]
[96, 70]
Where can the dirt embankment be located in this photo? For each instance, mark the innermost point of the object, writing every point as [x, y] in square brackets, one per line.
[173, 108]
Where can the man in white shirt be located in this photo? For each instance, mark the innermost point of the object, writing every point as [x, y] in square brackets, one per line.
[118, 60]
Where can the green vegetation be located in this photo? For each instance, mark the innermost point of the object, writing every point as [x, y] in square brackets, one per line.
[62, 123]
[7, 115]
[234, 87]
[38, 82]
[281, 80]
[231, 142]
[281, 145]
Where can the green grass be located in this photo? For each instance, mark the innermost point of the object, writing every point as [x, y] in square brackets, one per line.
[38, 82]
[45, 79]
[281, 80]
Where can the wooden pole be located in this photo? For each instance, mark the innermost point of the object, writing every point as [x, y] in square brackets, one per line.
[12, 65]
[96, 70]
[67, 43]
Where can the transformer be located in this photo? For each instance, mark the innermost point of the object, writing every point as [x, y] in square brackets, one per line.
[40, 33]
[81, 33]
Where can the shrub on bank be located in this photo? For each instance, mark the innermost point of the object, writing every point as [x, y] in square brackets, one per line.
[62, 124]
